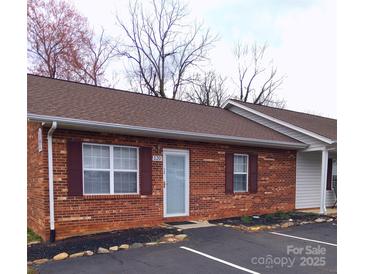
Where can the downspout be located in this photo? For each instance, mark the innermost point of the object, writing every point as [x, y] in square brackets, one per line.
[52, 235]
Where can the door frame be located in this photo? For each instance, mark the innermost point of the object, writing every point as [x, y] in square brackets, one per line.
[187, 180]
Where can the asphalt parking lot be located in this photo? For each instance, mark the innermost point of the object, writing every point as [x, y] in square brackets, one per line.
[303, 249]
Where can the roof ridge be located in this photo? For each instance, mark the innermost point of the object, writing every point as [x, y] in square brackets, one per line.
[290, 110]
[123, 90]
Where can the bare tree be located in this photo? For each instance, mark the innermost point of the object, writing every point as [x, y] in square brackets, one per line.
[257, 80]
[55, 29]
[91, 61]
[207, 89]
[162, 48]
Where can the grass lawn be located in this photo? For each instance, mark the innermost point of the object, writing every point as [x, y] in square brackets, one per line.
[31, 270]
[31, 236]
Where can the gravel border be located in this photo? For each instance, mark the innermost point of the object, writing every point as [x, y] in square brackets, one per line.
[91, 243]
[260, 223]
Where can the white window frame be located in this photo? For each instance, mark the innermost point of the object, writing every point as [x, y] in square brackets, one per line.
[241, 173]
[111, 170]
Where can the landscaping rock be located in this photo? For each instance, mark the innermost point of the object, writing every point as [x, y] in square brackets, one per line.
[102, 250]
[320, 220]
[286, 224]
[79, 254]
[254, 228]
[29, 263]
[124, 246]
[40, 261]
[168, 235]
[113, 248]
[136, 245]
[60, 256]
[34, 242]
[89, 253]
[181, 237]
[171, 240]
[329, 220]
[151, 244]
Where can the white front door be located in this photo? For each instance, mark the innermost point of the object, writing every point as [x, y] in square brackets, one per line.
[176, 182]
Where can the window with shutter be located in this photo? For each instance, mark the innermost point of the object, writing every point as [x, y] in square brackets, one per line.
[229, 173]
[253, 173]
[146, 170]
[240, 173]
[110, 169]
[74, 168]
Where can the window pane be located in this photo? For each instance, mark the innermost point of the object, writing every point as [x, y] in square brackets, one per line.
[240, 163]
[96, 182]
[125, 158]
[240, 182]
[125, 182]
[96, 156]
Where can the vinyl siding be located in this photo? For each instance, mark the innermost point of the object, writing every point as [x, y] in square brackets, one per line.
[308, 181]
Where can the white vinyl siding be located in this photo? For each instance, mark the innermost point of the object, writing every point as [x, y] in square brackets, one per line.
[308, 181]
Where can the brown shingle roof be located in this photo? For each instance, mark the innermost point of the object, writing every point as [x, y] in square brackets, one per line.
[66, 99]
[326, 127]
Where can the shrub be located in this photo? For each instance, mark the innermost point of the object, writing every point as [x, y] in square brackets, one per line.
[246, 219]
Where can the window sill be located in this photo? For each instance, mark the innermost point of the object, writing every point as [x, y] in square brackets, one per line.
[241, 192]
[110, 196]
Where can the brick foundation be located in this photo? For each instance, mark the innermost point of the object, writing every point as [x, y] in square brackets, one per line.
[90, 214]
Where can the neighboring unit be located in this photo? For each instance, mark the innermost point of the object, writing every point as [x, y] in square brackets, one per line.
[316, 164]
[101, 159]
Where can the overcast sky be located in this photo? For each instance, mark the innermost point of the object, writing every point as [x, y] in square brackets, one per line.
[301, 35]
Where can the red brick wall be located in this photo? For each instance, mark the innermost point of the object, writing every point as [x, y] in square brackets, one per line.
[88, 214]
[37, 186]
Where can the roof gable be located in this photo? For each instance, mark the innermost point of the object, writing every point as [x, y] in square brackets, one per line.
[322, 126]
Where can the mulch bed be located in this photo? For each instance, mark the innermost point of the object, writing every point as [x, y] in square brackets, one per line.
[93, 242]
[271, 219]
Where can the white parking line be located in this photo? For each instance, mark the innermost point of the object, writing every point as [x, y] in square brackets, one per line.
[219, 260]
[304, 239]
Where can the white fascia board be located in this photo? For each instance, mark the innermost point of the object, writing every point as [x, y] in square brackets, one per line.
[165, 133]
[286, 124]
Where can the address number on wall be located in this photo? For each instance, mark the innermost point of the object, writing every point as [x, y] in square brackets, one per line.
[156, 158]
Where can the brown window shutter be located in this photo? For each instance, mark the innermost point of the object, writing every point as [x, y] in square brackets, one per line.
[74, 167]
[252, 173]
[229, 173]
[145, 158]
[329, 175]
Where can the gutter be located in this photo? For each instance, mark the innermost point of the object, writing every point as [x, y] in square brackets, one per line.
[52, 234]
[166, 133]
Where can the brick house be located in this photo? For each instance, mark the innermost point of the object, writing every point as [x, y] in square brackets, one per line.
[101, 159]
